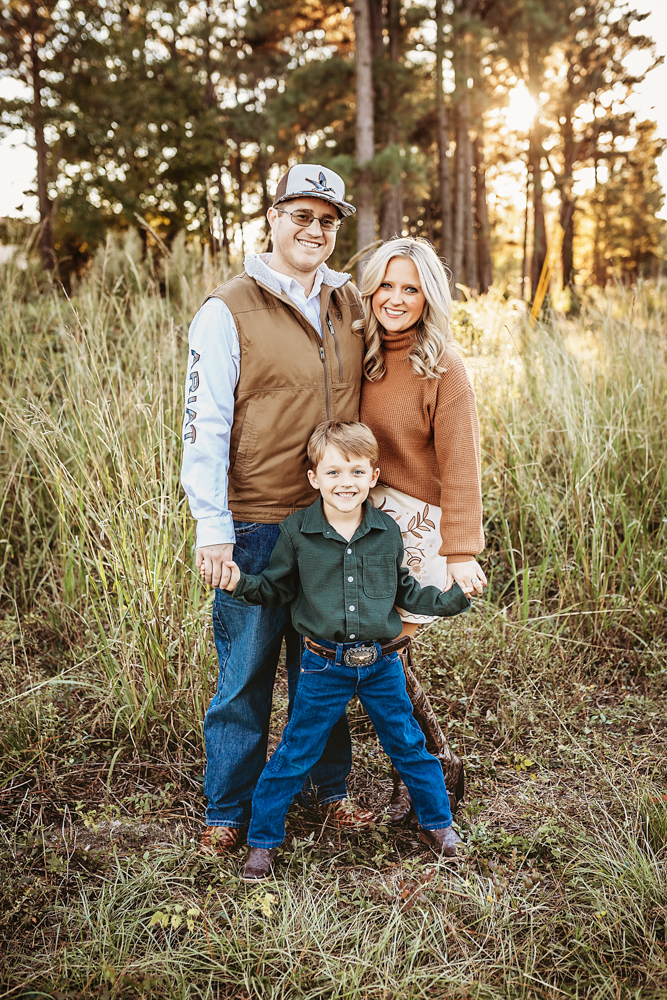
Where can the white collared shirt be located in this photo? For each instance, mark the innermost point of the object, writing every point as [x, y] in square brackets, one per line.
[310, 307]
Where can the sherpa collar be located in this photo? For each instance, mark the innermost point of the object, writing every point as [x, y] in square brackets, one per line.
[255, 267]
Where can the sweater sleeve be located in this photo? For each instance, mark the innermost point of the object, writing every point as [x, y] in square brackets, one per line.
[456, 440]
[278, 584]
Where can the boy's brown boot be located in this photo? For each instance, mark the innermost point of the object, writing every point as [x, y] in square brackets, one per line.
[259, 864]
[347, 816]
[218, 840]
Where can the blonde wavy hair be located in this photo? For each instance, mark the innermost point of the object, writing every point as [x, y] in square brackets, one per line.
[433, 331]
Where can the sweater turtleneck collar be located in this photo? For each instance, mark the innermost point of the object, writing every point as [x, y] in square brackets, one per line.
[400, 341]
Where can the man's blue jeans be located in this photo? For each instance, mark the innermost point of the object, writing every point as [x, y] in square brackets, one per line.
[236, 727]
[325, 687]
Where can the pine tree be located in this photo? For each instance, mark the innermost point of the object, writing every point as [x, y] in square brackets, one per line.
[33, 34]
[364, 124]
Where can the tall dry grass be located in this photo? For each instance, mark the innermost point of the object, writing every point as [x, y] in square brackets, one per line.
[574, 426]
[96, 535]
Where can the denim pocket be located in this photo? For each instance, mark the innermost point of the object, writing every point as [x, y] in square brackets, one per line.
[245, 527]
[311, 663]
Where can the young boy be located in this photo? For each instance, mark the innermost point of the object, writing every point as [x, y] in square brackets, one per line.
[338, 565]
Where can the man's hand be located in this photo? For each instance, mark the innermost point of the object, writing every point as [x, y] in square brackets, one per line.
[210, 561]
[469, 576]
[234, 575]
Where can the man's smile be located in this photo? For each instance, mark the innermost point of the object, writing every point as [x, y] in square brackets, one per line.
[311, 244]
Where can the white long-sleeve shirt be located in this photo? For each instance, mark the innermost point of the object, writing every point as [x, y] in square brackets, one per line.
[214, 363]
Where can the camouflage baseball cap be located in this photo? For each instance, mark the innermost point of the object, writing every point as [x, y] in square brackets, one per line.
[310, 180]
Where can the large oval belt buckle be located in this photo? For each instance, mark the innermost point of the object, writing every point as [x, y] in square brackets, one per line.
[361, 656]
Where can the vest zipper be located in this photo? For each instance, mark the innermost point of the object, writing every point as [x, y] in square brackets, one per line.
[327, 403]
[336, 348]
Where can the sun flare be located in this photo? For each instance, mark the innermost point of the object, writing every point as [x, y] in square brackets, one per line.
[521, 108]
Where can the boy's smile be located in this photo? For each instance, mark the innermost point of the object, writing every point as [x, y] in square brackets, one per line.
[344, 484]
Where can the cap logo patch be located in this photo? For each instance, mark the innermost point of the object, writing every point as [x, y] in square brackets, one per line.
[321, 183]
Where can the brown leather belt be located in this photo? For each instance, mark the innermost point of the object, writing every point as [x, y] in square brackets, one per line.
[357, 656]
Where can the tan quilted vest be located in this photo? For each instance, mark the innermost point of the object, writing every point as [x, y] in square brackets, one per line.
[290, 380]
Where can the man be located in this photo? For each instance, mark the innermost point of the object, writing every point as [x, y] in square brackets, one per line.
[272, 354]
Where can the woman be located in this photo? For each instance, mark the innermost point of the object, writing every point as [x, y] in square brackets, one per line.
[418, 401]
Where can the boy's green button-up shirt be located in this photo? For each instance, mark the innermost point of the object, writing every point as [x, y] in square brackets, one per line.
[344, 591]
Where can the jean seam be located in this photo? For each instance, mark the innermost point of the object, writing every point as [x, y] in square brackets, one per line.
[231, 824]
[222, 667]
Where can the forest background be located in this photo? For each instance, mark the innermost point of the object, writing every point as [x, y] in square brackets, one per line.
[467, 122]
[160, 130]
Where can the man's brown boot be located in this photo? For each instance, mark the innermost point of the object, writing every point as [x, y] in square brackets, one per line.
[443, 841]
[259, 864]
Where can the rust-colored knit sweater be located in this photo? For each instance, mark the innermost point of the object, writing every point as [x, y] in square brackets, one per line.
[428, 434]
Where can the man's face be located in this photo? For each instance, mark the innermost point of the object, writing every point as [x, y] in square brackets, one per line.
[302, 249]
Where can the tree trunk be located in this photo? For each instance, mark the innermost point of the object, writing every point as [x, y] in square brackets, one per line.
[444, 181]
[482, 219]
[365, 142]
[524, 262]
[470, 247]
[45, 222]
[567, 251]
[458, 229]
[377, 28]
[236, 164]
[262, 161]
[222, 197]
[539, 230]
[429, 217]
[391, 209]
[567, 203]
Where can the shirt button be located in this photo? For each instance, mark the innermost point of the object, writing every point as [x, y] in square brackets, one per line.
[350, 579]
[349, 552]
[351, 607]
[352, 636]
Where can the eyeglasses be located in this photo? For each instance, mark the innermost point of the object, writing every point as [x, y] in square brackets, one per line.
[303, 219]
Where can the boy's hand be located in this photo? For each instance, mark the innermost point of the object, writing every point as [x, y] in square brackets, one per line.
[234, 575]
[469, 576]
[211, 562]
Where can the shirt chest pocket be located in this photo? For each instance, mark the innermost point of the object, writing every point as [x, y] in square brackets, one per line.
[379, 576]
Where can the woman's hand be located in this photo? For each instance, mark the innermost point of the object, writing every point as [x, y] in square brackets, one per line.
[469, 576]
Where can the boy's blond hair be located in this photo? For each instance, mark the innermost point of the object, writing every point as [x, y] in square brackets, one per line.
[351, 438]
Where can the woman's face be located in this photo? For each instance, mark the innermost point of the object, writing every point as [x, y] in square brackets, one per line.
[399, 301]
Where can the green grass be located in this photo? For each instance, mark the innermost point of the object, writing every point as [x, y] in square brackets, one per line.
[553, 690]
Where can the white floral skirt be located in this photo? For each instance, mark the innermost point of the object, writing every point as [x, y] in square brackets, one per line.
[420, 528]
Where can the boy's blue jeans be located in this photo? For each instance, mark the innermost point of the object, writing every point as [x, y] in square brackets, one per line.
[325, 688]
[236, 727]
